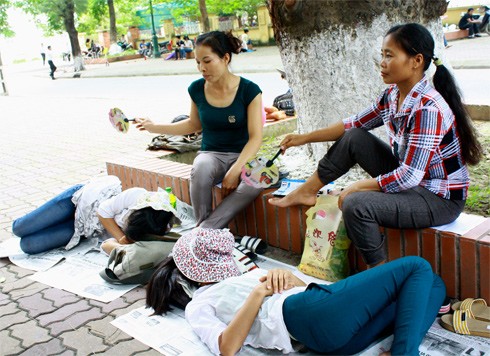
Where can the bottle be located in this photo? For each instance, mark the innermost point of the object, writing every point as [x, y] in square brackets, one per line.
[172, 197]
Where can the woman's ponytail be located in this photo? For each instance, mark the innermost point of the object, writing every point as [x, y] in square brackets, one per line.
[445, 84]
[416, 39]
[220, 42]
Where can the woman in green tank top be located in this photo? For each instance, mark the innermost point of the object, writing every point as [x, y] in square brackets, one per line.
[228, 110]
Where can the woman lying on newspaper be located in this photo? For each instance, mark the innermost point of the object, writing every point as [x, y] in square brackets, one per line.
[268, 309]
[96, 209]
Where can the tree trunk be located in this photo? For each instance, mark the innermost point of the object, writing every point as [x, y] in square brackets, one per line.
[204, 15]
[112, 20]
[330, 52]
[69, 21]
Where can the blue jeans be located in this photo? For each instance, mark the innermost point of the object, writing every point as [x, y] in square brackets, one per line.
[49, 226]
[401, 297]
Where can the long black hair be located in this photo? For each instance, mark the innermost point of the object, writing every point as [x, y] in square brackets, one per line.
[220, 42]
[164, 289]
[143, 224]
[416, 39]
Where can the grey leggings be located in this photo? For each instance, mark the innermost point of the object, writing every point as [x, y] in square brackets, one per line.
[209, 169]
[365, 212]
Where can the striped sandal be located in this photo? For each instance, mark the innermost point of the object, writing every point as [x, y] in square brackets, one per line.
[476, 308]
[461, 323]
[254, 244]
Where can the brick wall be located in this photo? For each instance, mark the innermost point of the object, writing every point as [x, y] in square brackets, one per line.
[463, 262]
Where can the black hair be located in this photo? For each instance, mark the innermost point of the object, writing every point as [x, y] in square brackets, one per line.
[470, 9]
[164, 290]
[416, 39]
[245, 30]
[143, 223]
[220, 42]
[186, 37]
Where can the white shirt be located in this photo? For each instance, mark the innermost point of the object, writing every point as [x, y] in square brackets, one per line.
[49, 55]
[213, 307]
[118, 206]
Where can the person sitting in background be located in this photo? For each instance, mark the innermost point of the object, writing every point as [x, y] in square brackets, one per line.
[188, 46]
[179, 48]
[468, 22]
[484, 25]
[246, 42]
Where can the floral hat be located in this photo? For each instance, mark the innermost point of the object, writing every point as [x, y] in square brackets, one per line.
[159, 200]
[206, 255]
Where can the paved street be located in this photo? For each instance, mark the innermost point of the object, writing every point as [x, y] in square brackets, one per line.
[56, 133]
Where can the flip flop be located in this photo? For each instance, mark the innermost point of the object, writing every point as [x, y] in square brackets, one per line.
[244, 262]
[461, 323]
[245, 251]
[476, 308]
[254, 244]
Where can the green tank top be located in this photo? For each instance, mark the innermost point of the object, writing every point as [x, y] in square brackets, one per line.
[224, 129]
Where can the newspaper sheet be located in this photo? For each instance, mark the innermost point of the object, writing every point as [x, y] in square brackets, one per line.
[45, 260]
[463, 224]
[440, 342]
[79, 274]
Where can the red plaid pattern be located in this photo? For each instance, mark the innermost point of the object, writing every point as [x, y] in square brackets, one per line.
[423, 137]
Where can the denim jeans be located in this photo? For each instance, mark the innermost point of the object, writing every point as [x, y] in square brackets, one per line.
[49, 226]
[401, 297]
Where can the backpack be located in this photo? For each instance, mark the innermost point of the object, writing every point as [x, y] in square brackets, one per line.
[285, 103]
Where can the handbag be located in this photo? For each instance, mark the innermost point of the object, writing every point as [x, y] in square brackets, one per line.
[135, 263]
[325, 254]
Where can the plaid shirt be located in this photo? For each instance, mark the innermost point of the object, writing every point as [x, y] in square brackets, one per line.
[423, 138]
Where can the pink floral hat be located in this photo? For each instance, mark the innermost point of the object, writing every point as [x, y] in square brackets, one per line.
[206, 255]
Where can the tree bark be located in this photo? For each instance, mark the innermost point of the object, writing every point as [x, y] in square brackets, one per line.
[69, 22]
[112, 22]
[204, 14]
[330, 52]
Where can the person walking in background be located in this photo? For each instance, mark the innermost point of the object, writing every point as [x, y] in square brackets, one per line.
[52, 67]
[43, 54]
[468, 22]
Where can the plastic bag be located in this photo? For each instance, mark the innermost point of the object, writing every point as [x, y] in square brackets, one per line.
[326, 242]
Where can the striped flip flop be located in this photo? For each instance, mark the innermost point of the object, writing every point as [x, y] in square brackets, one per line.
[254, 244]
[242, 260]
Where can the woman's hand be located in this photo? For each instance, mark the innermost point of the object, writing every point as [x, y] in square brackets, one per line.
[279, 280]
[360, 186]
[292, 140]
[230, 181]
[143, 124]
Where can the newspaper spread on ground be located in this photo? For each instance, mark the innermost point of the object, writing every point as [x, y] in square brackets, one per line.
[79, 274]
[45, 260]
[440, 342]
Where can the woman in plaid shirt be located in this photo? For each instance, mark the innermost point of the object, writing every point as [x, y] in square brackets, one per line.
[420, 179]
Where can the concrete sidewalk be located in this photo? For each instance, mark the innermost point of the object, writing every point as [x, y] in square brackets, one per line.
[461, 54]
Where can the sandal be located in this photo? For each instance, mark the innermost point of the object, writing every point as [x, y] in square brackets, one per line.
[461, 323]
[476, 308]
[254, 244]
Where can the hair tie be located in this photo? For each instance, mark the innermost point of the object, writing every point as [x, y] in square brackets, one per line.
[437, 61]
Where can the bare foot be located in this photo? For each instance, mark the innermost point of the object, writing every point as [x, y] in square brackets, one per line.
[294, 198]
[386, 353]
